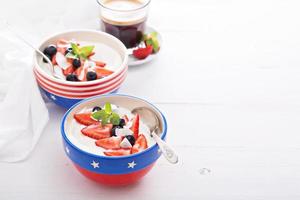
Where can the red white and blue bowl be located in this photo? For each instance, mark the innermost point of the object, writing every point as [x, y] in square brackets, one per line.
[107, 170]
[66, 93]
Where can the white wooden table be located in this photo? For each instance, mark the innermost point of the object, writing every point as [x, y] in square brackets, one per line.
[228, 81]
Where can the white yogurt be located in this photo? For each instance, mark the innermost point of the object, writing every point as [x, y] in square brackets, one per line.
[103, 53]
[88, 144]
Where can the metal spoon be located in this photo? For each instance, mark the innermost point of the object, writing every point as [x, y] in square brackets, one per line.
[152, 121]
[11, 29]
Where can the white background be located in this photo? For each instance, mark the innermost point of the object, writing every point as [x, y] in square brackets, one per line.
[228, 81]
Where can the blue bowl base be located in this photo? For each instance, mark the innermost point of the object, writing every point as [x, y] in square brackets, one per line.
[64, 101]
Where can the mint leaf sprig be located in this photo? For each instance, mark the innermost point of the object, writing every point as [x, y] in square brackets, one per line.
[80, 52]
[106, 115]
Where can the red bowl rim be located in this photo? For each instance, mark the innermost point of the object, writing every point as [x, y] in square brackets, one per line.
[76, 89]
[90, 83]
[113, 88]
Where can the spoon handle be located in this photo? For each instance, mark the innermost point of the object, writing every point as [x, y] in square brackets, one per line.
[166, 150]
[11, 29]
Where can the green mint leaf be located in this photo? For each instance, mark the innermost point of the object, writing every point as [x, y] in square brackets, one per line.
[99, 115]
[106, 115]
[107, 108]
[81, 55]
[75, 49]
[86, 51]
[105, 119]
[114, 119]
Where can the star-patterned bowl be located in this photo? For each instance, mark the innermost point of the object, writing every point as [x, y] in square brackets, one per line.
[122, 170]
[67, 101]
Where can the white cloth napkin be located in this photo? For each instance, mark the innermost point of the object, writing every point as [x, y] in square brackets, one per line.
[23, 113]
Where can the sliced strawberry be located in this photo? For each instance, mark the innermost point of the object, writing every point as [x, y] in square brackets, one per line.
[93, 53]
[70, 60]
[135, 126]
[81, 73]
[101, 72]
[61, 50]
[85, 119]
[54, 60]
[117, 152]
[142, 53]
[140, 144]
[68, 71]
[97, 131]
[126, 119]
[62, 43]
[109, 126]
[79, 70]
[109, 143]
[99, 63]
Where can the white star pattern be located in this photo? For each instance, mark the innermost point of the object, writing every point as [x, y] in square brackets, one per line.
[95, 164]
[67, 150]
[159, 151]
[53, 97]
[131, 165]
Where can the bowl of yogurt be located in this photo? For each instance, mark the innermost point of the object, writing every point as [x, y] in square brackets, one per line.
[109, 144]
[85, 63]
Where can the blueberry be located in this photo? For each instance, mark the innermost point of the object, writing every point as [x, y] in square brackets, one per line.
[122, 122]
[72, 77]
[131, 139]
[90, 76]
[50, 50]
[76, 63]
[69, 50]
[44, 60]
[96, 108]
[113, 130]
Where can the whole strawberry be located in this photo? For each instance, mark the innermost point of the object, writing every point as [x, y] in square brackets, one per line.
[142, 53]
